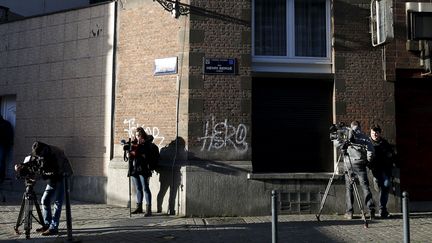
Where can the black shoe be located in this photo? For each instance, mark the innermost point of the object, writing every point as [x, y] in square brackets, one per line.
[384, 214]
[42, 229]
[148, 211]
[50, 232]
[137, 211]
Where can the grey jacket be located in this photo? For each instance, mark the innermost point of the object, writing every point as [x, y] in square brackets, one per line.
[360, 150]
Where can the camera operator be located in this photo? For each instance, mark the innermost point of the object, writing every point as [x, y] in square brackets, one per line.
[142, 156]
[381, 167]
[54, 167]
[358, 152]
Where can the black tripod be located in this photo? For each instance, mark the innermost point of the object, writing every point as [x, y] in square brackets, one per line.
[352, 182]
[25, 215]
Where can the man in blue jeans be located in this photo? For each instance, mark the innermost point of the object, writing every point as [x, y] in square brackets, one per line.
[358, 151]
[55, 169]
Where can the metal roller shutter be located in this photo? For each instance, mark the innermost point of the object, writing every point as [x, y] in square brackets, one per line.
[290, 122]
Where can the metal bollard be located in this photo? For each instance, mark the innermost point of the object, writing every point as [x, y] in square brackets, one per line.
[274, 217]
[405, 212]
[68, 208]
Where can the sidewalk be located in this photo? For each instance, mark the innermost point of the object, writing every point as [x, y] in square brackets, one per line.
[105, 223]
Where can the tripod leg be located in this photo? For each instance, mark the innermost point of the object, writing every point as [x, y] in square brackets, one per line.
[360, 204]
[357, 195]
[28, 218]
[130, 197]
[20, 215]
[323, 200]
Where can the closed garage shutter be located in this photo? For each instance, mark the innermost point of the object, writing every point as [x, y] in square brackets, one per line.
[290, 123]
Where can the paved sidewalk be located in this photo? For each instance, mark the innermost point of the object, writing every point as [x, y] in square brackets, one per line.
[104, 223]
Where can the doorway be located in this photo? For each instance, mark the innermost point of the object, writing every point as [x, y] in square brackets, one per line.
[414, 136]
[8, 112]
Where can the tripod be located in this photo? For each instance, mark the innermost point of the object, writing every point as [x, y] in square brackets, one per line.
[351, 181]
[26, 211]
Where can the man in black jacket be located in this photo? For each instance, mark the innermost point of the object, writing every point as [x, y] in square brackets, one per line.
[382, 166]
[55, 167]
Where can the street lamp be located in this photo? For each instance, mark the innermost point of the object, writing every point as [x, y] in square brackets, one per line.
[175, 7]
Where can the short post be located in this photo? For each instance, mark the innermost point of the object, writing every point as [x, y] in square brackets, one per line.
[68, 208]
[405, 212]
[274, 217]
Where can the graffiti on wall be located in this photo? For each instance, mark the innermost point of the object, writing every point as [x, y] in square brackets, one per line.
[96, 31]
[131, 126]
[219, 135]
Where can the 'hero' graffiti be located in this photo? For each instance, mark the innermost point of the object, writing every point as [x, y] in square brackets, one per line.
[222, 134]
[154, 131]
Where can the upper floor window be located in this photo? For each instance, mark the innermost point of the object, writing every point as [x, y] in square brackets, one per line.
[291, 31]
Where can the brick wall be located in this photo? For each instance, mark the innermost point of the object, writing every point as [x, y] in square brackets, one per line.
[365, 75]
[148, 32]
[218, 29]
[361, 91]
[398, 57]
[221, 31]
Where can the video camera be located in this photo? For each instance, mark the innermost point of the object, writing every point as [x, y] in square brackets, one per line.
[31, 167]
[340, 131]
[126, 144]
[127, 147]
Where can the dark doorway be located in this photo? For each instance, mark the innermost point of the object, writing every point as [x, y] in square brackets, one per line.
[290, 122]
[414, 136]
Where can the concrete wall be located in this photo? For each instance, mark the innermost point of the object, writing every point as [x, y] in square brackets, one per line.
[59, 66]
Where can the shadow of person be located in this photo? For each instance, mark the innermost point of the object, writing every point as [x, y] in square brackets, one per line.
[169, 172]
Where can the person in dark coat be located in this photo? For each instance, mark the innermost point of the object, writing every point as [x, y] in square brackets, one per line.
[381, 167]
[143, 158]
[55, 167]
[358, 152]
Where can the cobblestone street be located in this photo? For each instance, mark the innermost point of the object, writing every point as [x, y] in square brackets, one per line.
[104, 223]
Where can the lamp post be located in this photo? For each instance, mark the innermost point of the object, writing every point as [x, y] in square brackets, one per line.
[175, 7]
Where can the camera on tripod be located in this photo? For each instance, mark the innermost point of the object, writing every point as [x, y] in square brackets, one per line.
[30, 168]
[341, 132]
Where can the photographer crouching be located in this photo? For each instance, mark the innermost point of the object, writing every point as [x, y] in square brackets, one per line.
[53, 166]
[357, 152]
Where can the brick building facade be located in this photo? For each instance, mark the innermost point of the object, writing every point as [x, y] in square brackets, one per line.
[239, 136]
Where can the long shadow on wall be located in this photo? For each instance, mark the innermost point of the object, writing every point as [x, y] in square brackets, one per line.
[173, 157]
